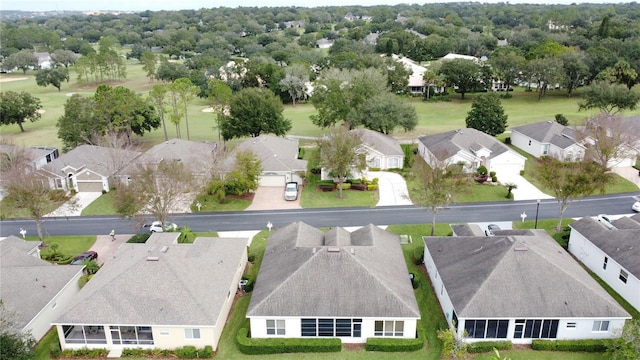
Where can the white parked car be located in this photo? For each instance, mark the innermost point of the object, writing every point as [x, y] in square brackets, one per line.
[606, 221]
[291, 191]
[156, 226]
[636, 206]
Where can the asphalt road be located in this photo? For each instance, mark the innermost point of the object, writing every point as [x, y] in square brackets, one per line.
[256, 220]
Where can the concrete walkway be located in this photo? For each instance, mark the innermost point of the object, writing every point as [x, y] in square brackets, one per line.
[75, 205]
[392, 188]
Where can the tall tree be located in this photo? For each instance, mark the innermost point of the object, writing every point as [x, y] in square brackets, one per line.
[186, 92]
[546, 73]
[63, 58]
[339, 92]
[569, 181]
[54, 76]
[508, 63]
[575, 70]
[23, 60]
[487, 115]
[16, 108]
[254, 111]
[245, 175]
[149, 64]
[158, 96]
[384, 112]
[620, 73]
[14, 344]
[627, 346]
[465, 74]
[170, 71]
[340, 154]
[609, 98]
[157, 189]
[295, 82]
[437, 184]
[219, 95]
[77, 125]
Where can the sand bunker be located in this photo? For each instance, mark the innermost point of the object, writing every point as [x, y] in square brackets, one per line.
[10, 79]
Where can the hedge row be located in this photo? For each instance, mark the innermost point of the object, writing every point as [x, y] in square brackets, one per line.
[185, 352]
[394, 345]
[488, 346]
[252, 346]
[85, 352]
[587, 345]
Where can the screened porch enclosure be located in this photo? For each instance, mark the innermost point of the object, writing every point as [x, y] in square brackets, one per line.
[84, 334]
[119, 335]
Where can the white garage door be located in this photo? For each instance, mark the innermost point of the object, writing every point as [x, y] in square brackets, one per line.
[95, 186]
[272, 180]
[505, 170]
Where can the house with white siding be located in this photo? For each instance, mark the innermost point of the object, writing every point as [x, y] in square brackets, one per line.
[157, 295]
[548, 138]
[518, 286]
[33, 289]
[337, 284]
[612, 253]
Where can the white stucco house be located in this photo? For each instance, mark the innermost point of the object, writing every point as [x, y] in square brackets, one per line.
[518, 286]
[548, 138]
[279, 158]
[611, 253]
[382, 152]
[472, 148]
[33, 289]
[87, 168]
[157, 295]
[350, 286]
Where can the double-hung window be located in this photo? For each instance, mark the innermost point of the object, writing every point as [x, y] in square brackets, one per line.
[192, 334]
[599, 325]
[275, 327]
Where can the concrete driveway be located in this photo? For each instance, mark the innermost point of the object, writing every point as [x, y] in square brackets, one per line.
[525, 190]
[392, 188]
[272, 198]
[628, 173]
[81, 199]
[106, 248]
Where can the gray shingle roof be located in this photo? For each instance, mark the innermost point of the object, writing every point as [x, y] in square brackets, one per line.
[622, 245]
[466, 230]
[517, 276]
[95, 158]
[308, 273]
[196, 155]
[186, 285]
[380, 142]
[29, 283]
[448, 143]
[276, 153]
[549, 132]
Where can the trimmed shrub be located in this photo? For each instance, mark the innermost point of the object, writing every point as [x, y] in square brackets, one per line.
[508, 140]
[521, 172]
[248, 287]
[139, 238]
[394, 345]
[374, 169]
[86, 353]
[492, 173]
[372, 187]
[251, 346]
[488, 346]
[418, 256]
[360, 187]
[482, 170]
[494, 179]
[586, 345]
[344, 186]
[301, 153]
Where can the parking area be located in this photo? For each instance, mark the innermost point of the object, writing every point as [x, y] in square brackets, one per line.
[106, 248]
[272, 198]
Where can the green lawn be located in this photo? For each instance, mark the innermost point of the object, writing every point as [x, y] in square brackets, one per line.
[71, 245]
[101, 206]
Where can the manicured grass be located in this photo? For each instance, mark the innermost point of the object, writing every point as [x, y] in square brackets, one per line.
[313, 197]
[71, 245]
[8, 211]
[210, 204]
[543, 355]
[43, 349]
[101, 206]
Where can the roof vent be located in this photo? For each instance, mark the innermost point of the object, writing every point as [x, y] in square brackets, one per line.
[333, 249]
[520, 248]
[164, 249]
[153, 258]
[314, 250]
[353, 251]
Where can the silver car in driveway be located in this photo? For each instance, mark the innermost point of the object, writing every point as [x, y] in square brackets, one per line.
[291, 191]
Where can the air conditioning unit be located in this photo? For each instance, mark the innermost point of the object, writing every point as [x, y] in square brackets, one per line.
[242, 284]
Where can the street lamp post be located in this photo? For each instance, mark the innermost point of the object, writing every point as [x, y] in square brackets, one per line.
[535, 226]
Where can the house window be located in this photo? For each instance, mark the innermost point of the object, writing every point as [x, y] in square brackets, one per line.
[374, 163]
[568, 156]
[325, 327]
[623, 276]
[275, 327]
[331, 327]
[308, 327]
[486, 329]
[604, 265]
[393, 163]
[600, 325]
[191, 334]
[389, 328]
[571, 325]
[536, 329]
